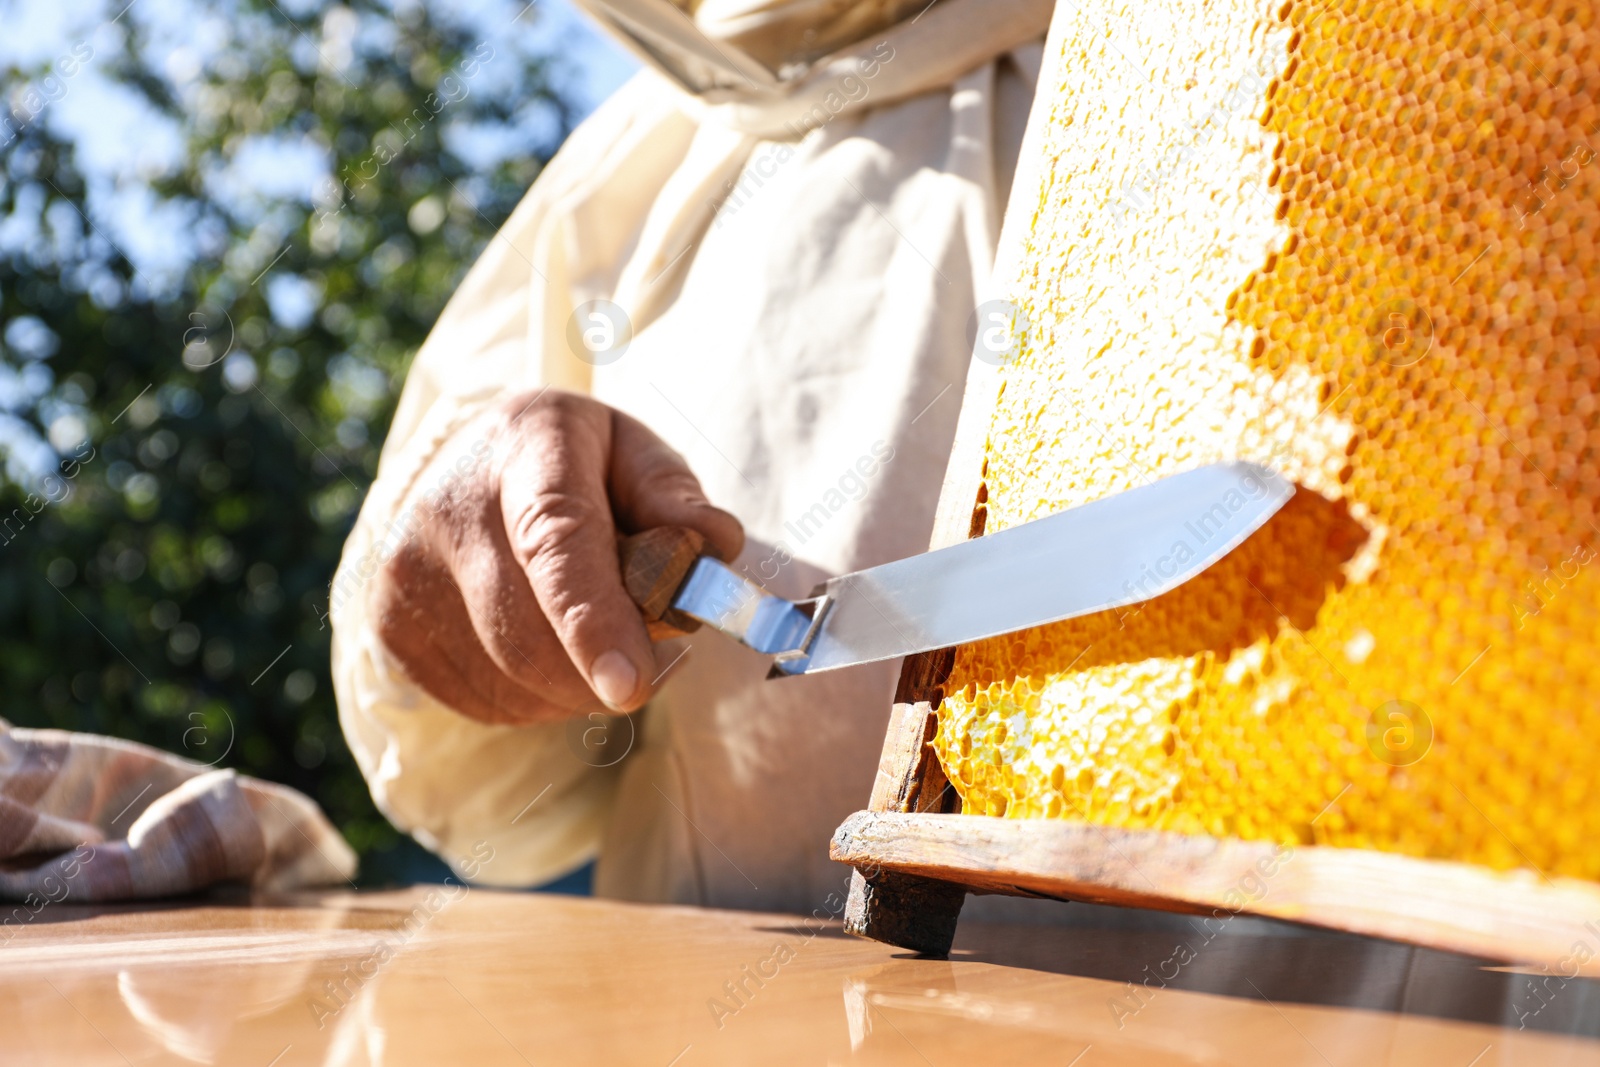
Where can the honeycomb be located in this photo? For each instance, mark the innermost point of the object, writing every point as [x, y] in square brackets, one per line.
[1355, 241]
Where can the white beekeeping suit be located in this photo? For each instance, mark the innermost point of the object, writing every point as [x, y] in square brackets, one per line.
[798, 262]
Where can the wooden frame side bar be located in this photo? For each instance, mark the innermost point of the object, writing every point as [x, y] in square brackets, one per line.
[906, 910]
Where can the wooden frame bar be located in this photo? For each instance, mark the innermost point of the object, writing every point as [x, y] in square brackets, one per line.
[916, 857]
[906, 910]
[1511, 916]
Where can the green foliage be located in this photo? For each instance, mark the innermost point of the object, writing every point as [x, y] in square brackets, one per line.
[164, 563]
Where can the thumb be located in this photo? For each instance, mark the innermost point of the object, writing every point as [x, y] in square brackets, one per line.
[559, 525]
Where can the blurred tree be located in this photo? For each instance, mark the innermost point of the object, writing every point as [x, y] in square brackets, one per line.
[201, 354]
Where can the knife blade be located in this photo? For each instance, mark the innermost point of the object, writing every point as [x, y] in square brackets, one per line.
[1119, 550]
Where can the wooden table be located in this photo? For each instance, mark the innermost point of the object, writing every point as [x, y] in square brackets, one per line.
[478, 977]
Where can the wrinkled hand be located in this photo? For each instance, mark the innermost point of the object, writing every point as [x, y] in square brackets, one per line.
[506, 602]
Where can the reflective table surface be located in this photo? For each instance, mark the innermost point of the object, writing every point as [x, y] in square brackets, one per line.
[473, 976]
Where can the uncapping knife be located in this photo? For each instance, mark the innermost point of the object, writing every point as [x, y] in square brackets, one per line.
[1119, 550]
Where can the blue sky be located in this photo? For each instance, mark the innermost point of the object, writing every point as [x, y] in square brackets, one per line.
[37, 31]
[123, 144]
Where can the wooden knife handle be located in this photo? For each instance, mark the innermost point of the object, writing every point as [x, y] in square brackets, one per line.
[654, 564]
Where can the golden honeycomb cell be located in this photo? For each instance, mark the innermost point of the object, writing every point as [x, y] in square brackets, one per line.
[1354, 241]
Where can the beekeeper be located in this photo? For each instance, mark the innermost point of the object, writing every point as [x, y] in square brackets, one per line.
[739, 299]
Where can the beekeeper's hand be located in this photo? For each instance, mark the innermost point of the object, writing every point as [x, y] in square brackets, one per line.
[505, 602]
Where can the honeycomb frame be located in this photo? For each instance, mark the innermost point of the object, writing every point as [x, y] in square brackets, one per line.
[1354, 241]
